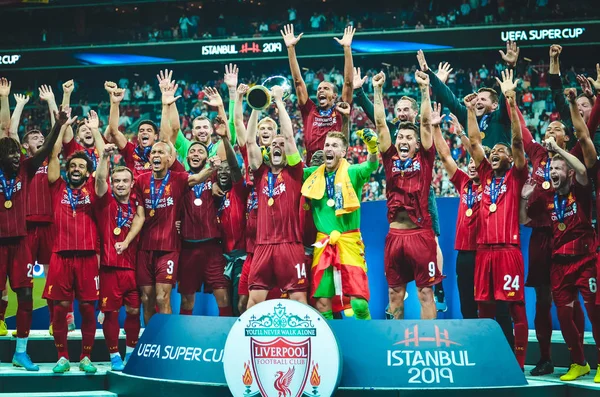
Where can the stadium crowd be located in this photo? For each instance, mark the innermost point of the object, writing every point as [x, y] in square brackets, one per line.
[139, 22]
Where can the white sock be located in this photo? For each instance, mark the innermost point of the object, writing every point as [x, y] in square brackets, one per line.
[129, 349]
[5, 298]
[21, 345]
[114, 355]
[62, 358]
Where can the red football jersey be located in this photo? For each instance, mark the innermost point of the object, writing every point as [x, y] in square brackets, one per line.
[231, 214]
[159, 232]
[316, 126]
[74, 232]
[466, 221]
[107, 214]
[12, 220]
[39, 199]
[578, 237]
[73, 146]
[501, 226]
[136, 159]
[280, 222]
[251, 219]
[199, 222]
[408, 185]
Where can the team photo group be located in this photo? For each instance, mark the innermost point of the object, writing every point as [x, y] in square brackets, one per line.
[244, 212]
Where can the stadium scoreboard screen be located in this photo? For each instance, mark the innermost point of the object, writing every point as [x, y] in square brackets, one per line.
[319, 45]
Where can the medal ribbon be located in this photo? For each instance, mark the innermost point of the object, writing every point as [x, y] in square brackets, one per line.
[154, 197]
[403, 164]
[483, 123]
[73, 201]
[92, 155]
[222, 205]
[326, 113]
[252, 202]
[330, 185]
[495, 191]
[121, 221]
[198, 188]
[470, 196]
[271, 183]
[143, 156]
[560, 207]
[547, 170]
[7, 187]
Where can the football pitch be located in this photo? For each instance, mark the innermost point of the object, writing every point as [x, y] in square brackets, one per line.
[38, 289]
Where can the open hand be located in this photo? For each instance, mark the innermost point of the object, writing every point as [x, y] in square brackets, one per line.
[288, 36]
[507, 83]
[213, 97]
[46, 93]
[443, 72]
[511, 55]
[4, 87]
[436, 114]
[422, 62]
[21, 99]
[231, 75]
[92, 121]
[357, 81]
[346, 40]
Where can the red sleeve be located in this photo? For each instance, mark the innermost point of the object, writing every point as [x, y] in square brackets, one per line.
[484, 170]
[520, 175]
[528, 141]
[305, 110]
[177, 167]
[71, 147]
[102, 202]
[537, 202]
[594, 119]
[428, 155]
[459, 179]
[138, 188]
[127, 153]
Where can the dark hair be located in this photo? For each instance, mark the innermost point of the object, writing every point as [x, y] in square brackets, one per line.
[493, 93]
[198, 143]
[335, 89]
[80, 154]
[558, 157]
[487, 151]
[150, 123]
[29, 133]
[407, 125]
[586, 97]
[8, 146]
[506, 145]
[121, 168]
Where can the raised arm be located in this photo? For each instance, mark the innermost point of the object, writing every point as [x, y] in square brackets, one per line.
[441, 91]
[572, 161]
[167, 131]
[383, 132]
[459, 131]
[526, 192]
[518, 150]
[285, 123]
[238, 115]
[4, 107]
[221, 129]
[101, 183]
[116, 136]
[581, 130]
[54, 144]
[255, 157]
[214, 99]
[473, 130]
[345, 110]
[16, 116]
[66, 103]
[346, 43]
[290, 42]
[92, 122]
[426, 127]
[440, 143]
[136, 227]
[231, 79]
[47, 96]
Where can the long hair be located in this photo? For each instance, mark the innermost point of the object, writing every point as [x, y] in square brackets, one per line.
[8, 146]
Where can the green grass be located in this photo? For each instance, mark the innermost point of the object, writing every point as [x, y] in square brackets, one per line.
[38, 289]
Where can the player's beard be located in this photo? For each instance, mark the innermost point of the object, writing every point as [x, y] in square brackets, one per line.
[77, 184]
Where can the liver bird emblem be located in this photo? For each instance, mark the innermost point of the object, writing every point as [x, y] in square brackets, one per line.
[283, 382]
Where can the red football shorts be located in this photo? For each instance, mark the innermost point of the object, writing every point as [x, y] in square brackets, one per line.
[571, 276]
[278, 265]
[118, 288]
[39, 240]
[73, 276]
[540, 257]
[499, 273]
[15, 263]
[156, 267]
[275, 293]
[411, 255]
[201, 263]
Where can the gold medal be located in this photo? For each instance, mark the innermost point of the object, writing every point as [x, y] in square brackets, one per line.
[482, 134]
[493, 207]
[305, 207]
[8, 204]
[117, 231]
[330, 202]
[546, 185]
[469, 213]
[270, 202]
[197, 202]
[562, 227]
[147, 165]
[152, 212]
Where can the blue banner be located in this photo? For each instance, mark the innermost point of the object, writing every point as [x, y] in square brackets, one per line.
[400, 354]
